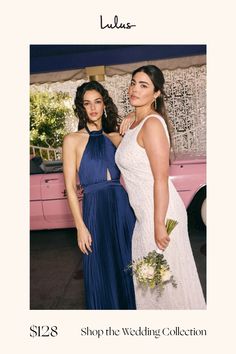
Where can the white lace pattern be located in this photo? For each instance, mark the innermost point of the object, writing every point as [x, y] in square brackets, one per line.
[133, 162]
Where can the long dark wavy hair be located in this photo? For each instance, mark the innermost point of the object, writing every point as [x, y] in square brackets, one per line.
[109, 123]
[156, 76]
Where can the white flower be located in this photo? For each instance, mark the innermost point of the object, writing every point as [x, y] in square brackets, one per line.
[166, 276]
[146, 271]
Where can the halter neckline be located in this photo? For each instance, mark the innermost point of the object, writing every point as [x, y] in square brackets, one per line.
[94, 132]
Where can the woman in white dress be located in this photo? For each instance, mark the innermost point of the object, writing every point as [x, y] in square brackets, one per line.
[143, 158]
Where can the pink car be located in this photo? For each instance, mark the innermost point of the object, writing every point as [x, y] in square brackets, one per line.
[49, 207]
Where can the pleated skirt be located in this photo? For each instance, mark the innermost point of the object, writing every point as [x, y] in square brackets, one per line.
[110, 220]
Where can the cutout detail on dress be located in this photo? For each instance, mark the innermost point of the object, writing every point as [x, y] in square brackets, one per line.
[108, 175]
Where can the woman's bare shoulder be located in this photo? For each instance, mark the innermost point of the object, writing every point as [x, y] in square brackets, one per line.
[155, 127]
[75, 136]
[154, 122]
[115, 138]
[154, 119]
[113, 134]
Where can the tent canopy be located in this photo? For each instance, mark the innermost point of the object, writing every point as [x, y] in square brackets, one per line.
[66, 62]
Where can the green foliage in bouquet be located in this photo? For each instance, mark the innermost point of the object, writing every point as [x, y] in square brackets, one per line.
[153, 270]
[170, 225]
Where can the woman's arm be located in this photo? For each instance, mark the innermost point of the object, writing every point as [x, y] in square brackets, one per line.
[70, 173]
[156, 145]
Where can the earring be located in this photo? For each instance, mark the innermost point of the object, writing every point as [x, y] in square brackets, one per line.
[155, 104]
[105, 112]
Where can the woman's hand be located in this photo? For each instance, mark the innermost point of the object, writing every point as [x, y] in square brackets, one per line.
[162, 238]
[84, 240]
[126, 123]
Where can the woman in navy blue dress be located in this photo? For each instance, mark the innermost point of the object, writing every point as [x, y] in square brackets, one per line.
[104, 229]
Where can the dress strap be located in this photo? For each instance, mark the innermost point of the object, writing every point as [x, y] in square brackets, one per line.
[94, 132]
[162, 120]
[87, 129]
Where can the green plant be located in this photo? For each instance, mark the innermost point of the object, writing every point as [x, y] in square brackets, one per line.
[48, 113]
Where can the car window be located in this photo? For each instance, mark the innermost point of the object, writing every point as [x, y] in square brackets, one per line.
[40, 166]
[36, 165]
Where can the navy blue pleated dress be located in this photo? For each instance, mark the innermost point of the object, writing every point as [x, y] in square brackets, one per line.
[110, 220]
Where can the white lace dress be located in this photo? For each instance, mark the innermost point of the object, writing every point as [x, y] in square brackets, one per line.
[133, 162]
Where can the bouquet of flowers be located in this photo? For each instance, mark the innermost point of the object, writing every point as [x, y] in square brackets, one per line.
[153, 269]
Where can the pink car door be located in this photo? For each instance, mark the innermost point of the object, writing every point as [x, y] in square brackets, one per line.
[54, 201]
[36, 210]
